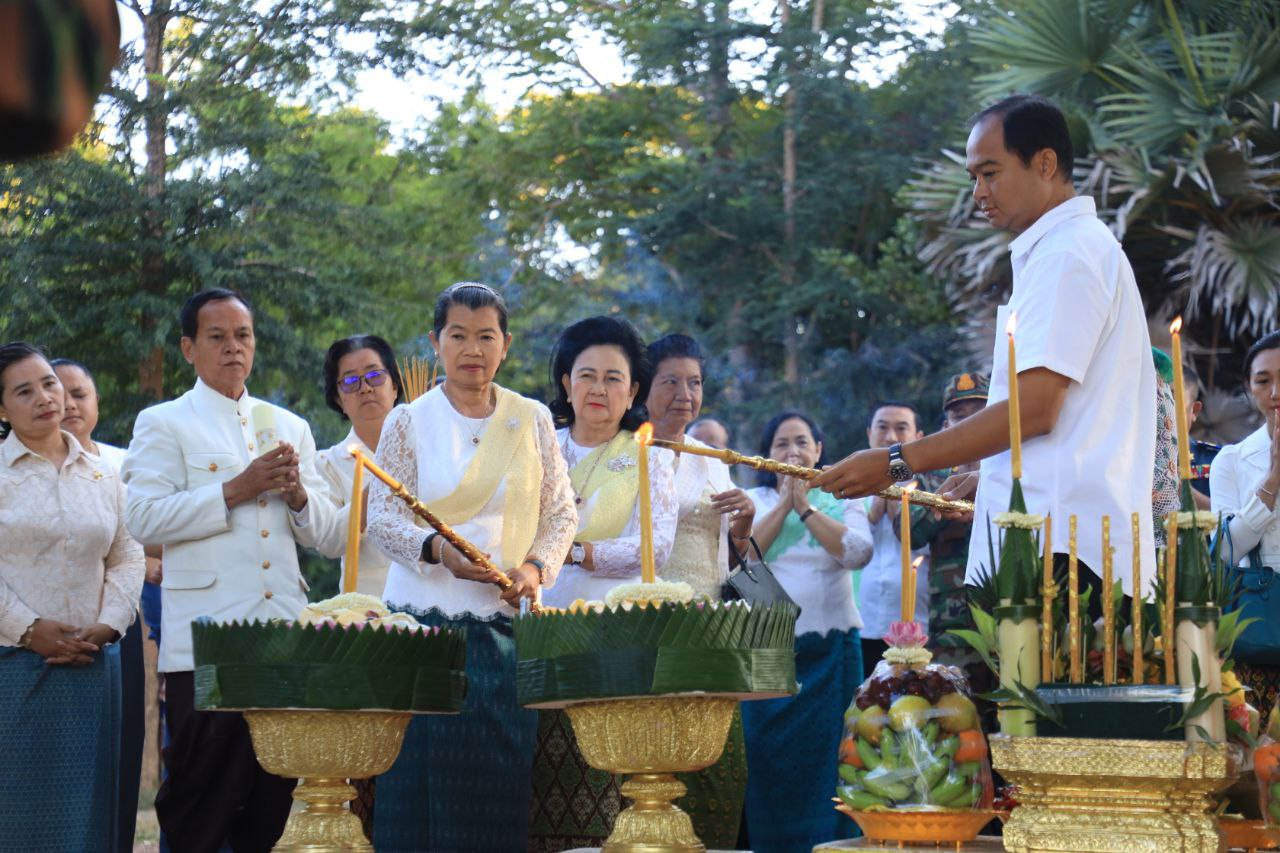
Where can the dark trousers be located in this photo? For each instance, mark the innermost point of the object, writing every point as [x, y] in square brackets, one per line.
[872, 651]
[216, 792]
[133, 683]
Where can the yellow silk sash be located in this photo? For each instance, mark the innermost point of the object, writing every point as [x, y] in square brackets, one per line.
[508, 448]
[611, 473]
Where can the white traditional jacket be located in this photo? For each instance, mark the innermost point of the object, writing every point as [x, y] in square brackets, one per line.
[225, 564]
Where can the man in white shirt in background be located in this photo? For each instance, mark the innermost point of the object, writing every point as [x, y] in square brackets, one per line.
[1085, 375]
[878, 587]
[229, 518]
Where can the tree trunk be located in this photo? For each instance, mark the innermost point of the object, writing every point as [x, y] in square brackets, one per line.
[791, 334]
[154, 272]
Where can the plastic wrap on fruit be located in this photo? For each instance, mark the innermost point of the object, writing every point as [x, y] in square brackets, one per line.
[1266, 766]
[911, 737]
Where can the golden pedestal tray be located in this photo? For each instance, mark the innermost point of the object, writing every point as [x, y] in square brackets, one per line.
[650, 739]
[323, 750]
[1085, 795]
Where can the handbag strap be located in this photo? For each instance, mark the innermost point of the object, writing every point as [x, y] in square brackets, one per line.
[743, 565]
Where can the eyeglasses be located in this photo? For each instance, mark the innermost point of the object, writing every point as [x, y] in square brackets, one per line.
[351, 384]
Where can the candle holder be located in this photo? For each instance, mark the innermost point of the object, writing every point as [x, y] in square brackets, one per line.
[651, 739]
[324, 750]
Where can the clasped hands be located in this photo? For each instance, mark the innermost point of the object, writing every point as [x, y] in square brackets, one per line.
[277, 470]
[61, 644]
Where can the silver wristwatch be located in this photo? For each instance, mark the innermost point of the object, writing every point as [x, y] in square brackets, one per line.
[899, 470]
[578, 553]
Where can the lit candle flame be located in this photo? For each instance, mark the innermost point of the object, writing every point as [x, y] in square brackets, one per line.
[353, 449]
[644, 435]
[1012, 324]
[1176, 326]
[910, 487]
[915, 564]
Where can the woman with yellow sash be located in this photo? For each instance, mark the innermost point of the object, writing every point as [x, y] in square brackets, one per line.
[600, 372]
[485, 460]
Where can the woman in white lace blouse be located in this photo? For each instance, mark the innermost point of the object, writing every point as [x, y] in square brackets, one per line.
[712, 511]
[600, 373]
[70, 577]
[485, 460]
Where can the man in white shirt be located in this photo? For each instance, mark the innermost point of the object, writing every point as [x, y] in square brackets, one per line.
[880, 588]
[1085, 374]
[229, 518]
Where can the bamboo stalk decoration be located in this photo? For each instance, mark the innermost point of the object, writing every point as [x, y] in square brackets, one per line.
[418, 377]
[1170, 582]
[473, 554]
[1108, 608]
[1136, 619]
[1048, 594]
[1073, 605]
[731, 457]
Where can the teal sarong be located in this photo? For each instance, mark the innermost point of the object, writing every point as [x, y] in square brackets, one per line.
[59, 753]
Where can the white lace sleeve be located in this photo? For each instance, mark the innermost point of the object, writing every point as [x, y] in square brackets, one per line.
[857, 539]
[392, 525]
[557, 515]
[620, 558]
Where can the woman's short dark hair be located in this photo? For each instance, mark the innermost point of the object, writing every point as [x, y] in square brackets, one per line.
[765, 478]
[189, 317]
[1031, 124]
[469, 294]
[1271, 340]
[10, 354]
[71, 362]
[676, 346]
[600, 331]
[346, 346]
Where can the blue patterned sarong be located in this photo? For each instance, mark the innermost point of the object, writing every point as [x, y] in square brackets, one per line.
[793, 748]
[462, 782]
[59, 748]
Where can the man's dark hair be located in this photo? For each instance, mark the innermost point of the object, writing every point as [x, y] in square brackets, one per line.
[1031, 124]
[346, 346]
[768, 478]
[190, 315]
[894, 404]
[472, 295]
[600, 331]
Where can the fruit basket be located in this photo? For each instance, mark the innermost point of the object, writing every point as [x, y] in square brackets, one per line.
[913, 759]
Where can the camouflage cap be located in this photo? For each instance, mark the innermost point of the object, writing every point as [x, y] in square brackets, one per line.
[965, 386]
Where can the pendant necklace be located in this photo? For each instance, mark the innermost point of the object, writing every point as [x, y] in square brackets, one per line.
[577, 496]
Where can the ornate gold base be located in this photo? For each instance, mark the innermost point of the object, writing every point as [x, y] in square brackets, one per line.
[650, 739]
[1083, 795]
[323, 749]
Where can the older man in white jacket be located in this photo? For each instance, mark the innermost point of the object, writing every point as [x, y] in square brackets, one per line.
[229, 517]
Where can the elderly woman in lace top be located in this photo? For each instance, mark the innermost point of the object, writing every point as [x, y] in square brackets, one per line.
[712, 512]
[70, 577]
[485, 460]
[600, 373]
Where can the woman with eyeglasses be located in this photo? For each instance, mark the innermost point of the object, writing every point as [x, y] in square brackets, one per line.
[485, 460]
[362, 384]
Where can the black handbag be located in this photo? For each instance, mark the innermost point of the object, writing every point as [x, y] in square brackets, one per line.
[754, 582]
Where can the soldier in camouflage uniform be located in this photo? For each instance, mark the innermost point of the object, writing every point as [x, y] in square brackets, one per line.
[948, 541]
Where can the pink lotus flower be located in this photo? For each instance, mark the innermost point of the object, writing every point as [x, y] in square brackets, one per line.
[906, 635]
